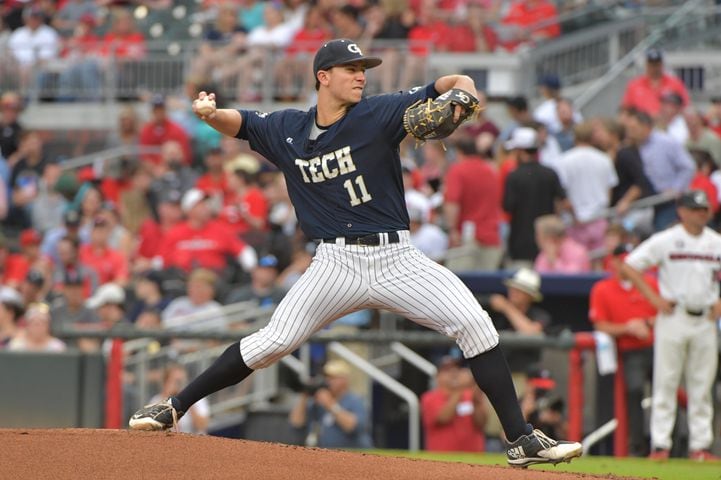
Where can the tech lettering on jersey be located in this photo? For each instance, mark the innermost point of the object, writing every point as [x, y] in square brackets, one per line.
[326, 166]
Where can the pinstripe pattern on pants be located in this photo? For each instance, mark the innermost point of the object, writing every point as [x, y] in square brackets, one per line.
[396, 277]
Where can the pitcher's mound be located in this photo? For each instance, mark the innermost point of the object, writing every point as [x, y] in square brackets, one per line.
[121, 454]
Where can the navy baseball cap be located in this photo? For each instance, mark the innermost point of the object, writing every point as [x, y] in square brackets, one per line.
[694, 199]
[157, 100]
[654, 55]
[550, 80]
[341, 52]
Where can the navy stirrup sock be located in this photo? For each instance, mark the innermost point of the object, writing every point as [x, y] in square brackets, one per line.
[492, 374]
[227, 370]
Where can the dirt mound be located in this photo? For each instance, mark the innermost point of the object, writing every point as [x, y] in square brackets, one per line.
[121, 454]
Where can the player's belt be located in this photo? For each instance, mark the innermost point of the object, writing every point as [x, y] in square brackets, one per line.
[695, 313]
[372, 240]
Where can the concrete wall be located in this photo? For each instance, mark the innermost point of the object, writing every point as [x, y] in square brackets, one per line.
[39, 390]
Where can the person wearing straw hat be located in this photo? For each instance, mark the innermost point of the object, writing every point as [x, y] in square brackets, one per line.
[517, 311]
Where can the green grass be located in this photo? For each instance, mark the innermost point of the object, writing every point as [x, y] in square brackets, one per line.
[674, 469]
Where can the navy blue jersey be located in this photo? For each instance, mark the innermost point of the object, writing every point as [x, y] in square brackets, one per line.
[348, 182]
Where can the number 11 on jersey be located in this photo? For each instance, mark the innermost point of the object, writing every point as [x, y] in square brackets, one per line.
[364, 195]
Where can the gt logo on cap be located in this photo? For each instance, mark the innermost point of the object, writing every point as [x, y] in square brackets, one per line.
[355, 49]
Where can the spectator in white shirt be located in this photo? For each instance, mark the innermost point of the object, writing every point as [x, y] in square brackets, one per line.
[36, 337]
[427, 237]
[546, 112]
[588, 175]
[197, 310]
[34, 43]
[263, 43]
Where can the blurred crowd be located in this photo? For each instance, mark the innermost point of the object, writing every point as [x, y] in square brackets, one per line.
[166, 238]
[72, 49]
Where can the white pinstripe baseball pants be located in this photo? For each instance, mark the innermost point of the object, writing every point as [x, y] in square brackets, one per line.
[395, 277]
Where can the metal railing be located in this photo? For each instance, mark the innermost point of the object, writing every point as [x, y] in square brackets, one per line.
[102, 160]
[88, 76]
[584, 55]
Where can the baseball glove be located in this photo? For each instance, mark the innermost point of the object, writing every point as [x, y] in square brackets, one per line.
[433, 119]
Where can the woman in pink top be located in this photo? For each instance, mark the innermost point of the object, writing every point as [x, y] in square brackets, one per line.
[558, 252]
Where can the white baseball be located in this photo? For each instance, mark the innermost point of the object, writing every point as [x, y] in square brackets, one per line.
[205, 106]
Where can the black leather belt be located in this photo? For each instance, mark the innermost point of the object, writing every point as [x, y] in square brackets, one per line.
[695, 313]
[372, 240]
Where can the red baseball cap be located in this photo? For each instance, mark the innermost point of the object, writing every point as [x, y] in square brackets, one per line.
[86, 174]
[30, 237]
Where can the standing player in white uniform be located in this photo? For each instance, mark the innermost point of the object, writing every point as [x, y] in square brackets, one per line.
[342, 167]
[689, 259]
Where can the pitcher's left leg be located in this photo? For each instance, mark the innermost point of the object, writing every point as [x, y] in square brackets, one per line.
[410, 284]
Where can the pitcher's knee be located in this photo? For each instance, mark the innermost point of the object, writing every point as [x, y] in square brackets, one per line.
[475, 341]
[263, 349]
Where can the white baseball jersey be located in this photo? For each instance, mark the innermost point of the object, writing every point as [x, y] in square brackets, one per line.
[689, 266]
[685, 341]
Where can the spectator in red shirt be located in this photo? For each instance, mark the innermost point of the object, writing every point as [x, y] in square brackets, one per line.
[293, 71]
[30, 241]
[472, 207]
[13, 266]
[118, 179]
[110, 265]
[701, 180]
[214, 182]
[153, 230]
[644, 92]
[245, 209]
[430, 33]
[620, 310]
[314, 32]
[202, 241]
[529, 21]
[123, 41]
[122, 46]
[473, 33]
[455, 412]
[161, 129]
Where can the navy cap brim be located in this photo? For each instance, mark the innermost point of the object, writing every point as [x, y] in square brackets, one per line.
[368, 62]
